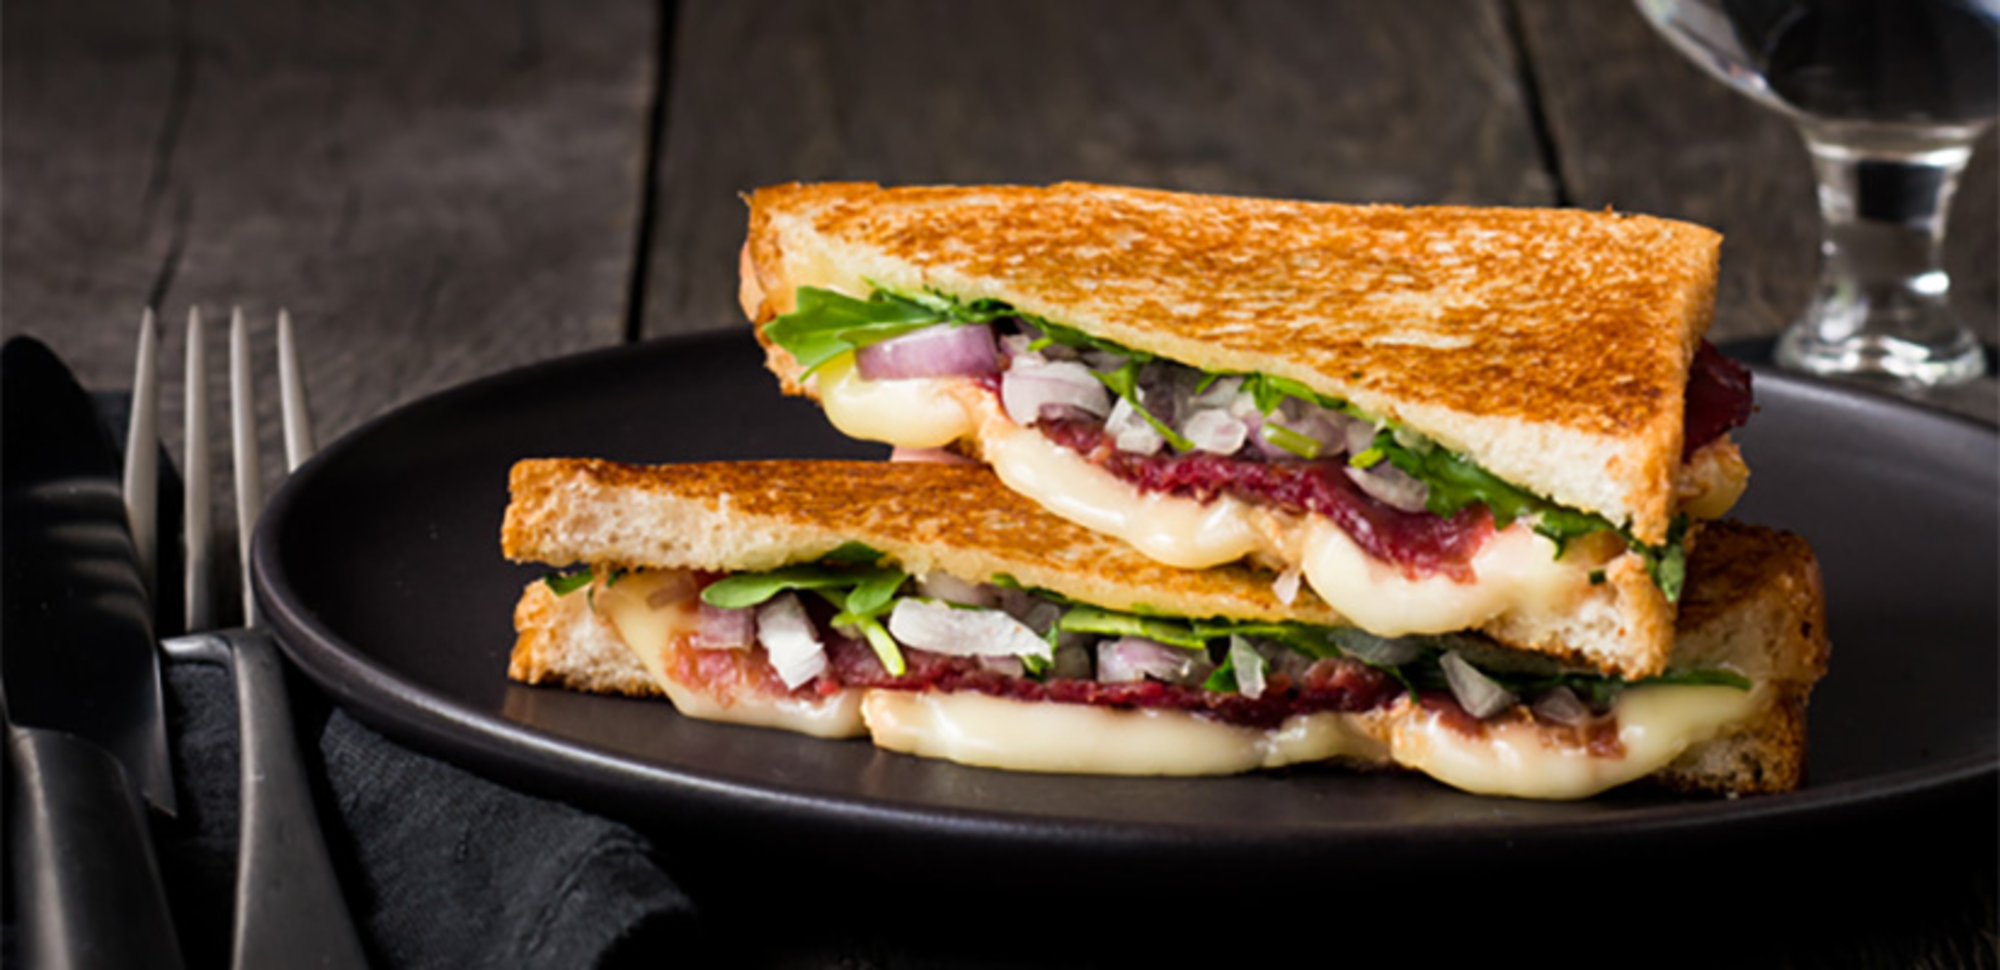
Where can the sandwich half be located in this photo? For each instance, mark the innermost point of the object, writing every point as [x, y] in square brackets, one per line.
[1445, 419]
[929, 608]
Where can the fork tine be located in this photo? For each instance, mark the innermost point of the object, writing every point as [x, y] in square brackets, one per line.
[142, 451]
[249, 470]
[196, 523]
[292, 389]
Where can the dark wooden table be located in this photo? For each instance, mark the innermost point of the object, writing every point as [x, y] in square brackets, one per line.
[440, 191]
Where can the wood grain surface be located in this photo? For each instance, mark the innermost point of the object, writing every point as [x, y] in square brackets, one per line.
[1401, 102]
[437, 191]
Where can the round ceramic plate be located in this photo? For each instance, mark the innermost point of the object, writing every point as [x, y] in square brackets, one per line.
[381, 568]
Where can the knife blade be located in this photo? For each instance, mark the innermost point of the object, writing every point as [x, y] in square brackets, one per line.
[79, 682]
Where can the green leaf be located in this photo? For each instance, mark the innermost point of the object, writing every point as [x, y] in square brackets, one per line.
[1090, 619]
[1667, 563]
[750, 589]
[853, 553]
[884, 646]
[826, 324]
[1124, 382]
[567, 583]
[1292, 441]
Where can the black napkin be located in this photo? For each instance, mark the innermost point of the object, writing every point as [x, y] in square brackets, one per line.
[441, 868]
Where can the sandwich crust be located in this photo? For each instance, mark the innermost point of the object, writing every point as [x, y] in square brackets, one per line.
[1552, 346]
[750, 516]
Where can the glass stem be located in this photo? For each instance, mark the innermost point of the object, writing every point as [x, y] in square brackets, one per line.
[1881, 274]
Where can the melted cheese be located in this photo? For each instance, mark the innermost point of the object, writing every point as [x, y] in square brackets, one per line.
[996, 732]
[1517, 572]
[913, 413]
[648, 627]
[1517, 569]
[1656, 725]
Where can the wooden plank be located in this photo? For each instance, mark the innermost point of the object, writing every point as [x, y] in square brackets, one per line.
[1406, 102]
[437, 191]
[1639, 127]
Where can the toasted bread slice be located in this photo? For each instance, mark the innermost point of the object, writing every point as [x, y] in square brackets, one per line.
[751, 516]
[1550, 346]
[1753, 607]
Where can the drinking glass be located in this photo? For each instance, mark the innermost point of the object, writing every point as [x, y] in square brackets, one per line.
[1889, 96]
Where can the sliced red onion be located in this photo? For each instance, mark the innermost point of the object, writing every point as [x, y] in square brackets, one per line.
[951, 589]
[1249, 667]
[1391, 486]
[1214, 431]
[1028, 388]
[1130, 429]
[1476, 692]
[789, 640]
[941, 628]
[720, 628]
[1131, 659]
[1561, 706]
[1004, 666]
[944, 350]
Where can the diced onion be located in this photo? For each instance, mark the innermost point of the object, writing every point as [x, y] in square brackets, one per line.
[1476, 692]
[1130, 659]
[1214, 431]
[1249, 666]
[951, 589]
[789, 639]
[1562, 706]
[1381, 651]
[1131, 430]
[1391, 486]
[944, 350]
[941, 628]
[721, 628]
[1031, 385]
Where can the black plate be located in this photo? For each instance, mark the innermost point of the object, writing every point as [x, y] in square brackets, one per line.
[380, 561]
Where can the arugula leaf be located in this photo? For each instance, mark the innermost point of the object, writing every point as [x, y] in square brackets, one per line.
[826, 324]
[1090, 619]
[1666, 563]
[750, 589]
[567, 583]
[1124, 382]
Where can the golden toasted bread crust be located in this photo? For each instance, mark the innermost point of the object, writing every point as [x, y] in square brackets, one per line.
[747, 516]
[1550, 345]
[1754, 607]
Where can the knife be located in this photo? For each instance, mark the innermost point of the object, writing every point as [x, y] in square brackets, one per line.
[79, 683]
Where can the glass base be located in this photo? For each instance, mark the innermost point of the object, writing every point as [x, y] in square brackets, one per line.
[1871, 355]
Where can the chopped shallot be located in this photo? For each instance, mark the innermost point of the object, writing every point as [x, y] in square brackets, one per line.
[721, 628]
[789, 640]
[1129, 659]
[944, 350]
[942, 628]
[1476, 692]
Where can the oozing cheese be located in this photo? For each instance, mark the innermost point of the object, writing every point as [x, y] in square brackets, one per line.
[1656, 725]
[649, 624]
[913, 413]
[1516, 572]
[997, 732]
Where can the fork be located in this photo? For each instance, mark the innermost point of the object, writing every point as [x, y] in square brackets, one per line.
[289, 911]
